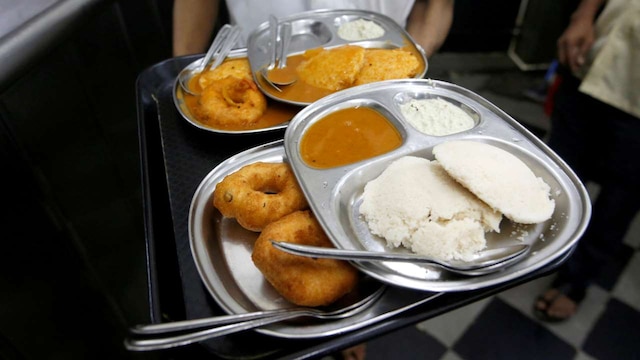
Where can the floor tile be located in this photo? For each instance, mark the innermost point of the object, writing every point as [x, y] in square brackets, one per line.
[448, 328]
[574, 331]
[613, 269]
[632, 239]
[616, 334]
[582, 356]
[628, 287]
[407, 343]
[502, 332]
[451, 355]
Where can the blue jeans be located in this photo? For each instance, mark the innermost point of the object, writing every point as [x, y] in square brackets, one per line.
[602, 144]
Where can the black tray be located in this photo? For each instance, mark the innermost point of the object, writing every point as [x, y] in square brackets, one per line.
[175, 157]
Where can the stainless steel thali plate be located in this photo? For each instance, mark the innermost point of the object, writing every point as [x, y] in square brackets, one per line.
[222, 251]
[335, 194]
[181, 100]
[319, 28]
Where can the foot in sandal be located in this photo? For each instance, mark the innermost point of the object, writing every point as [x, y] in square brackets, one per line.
[556, 305]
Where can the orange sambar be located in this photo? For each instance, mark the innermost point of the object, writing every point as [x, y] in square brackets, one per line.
[347, 136]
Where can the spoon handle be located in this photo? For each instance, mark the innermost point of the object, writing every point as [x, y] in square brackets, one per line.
[273, 49]
[157, 343]
[182, 325]
[285, 40]
[342, 254]
[232, 38]
[496, 257]
[215, 46]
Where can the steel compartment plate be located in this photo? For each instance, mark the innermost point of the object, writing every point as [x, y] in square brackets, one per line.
[335, 194]
[319, 28]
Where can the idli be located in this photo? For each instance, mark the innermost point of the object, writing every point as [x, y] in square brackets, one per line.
[415, 204]
[498, 178]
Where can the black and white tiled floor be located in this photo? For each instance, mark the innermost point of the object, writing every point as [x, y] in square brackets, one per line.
[607, 325]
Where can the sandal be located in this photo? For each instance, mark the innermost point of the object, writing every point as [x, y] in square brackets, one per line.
[542, 314]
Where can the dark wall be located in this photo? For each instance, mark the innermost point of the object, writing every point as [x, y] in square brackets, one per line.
[72, 243]
[481, 26]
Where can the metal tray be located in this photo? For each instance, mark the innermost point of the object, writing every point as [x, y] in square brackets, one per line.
[221, 250]
[319, 28]
[183, 155]
[183, 109]
[335, 194]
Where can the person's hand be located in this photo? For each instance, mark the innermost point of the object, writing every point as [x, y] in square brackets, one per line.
[575, 43]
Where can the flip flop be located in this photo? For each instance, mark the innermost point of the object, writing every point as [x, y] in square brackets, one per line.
[543, 314]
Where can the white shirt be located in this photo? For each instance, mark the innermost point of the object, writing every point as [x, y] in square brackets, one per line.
[249, 14]
[614, 70]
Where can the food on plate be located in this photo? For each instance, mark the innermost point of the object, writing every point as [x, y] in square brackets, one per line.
[442, 208]
[387, 64]
[360, 29]
[350, 65]
[333, 69]
[302, 280]
[416, 204]
[499, 178]
[259, 194]
[232, 100]
[347, 136]
[436, 116]
[321, 71]
[238, 68]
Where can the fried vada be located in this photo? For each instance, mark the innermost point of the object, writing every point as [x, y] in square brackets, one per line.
[333, 69]
[231, 101]
[302, 280]
[259, 194]
[238, 68]
[387, 64]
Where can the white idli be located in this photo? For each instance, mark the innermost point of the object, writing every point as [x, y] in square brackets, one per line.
[498, 178]
[414, 203]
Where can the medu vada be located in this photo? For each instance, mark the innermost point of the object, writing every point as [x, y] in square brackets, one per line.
[231, 101]
[237, 68]
[259, 194]
[302, 280]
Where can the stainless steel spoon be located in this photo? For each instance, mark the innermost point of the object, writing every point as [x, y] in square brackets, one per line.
[273, 52]
[228, 324]
[279, 75]
[485, 262]
[218, 51]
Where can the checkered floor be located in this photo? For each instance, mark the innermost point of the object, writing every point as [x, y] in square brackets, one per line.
[503, 326]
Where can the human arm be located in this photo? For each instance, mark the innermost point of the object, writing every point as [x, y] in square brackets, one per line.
[578, 37]
[429, 23]
[193, 23]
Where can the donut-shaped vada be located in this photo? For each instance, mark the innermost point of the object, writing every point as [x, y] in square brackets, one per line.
[231, 101]
[302, 280]
[259, 194]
